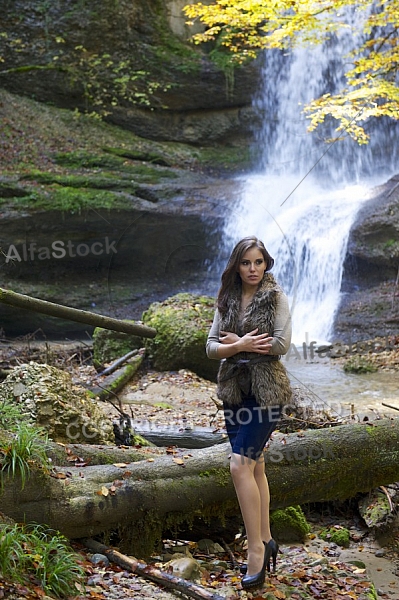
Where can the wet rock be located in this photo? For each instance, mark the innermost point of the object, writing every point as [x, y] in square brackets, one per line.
[99, 560]
[185, 567]
[367, 309]
[206, 545]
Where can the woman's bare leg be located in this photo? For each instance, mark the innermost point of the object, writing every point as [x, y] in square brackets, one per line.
[249, 498]
[263, 487]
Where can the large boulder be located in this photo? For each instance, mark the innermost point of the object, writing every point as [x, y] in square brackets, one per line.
[373, 245]
[48, 398]
[369, 307]
[182, 323]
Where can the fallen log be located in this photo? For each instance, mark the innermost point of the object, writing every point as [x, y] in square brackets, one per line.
[175, 435]
[149, 572]
[142, 499]
[114, 382]
[120, 361]
[73, 314]
[80, 455]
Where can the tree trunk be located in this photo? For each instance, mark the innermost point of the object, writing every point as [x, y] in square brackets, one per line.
[113, 383]
[73, 314]
[175, 435]
[145, 498]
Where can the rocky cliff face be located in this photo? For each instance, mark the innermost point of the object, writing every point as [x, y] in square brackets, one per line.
[57, 53]
[370, 302]
[65, 51]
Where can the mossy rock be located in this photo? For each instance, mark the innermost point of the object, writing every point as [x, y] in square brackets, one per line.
[182, 323]
[47, 397]
[375, 509]
[289, 524]
[110, 345]
[337, 535]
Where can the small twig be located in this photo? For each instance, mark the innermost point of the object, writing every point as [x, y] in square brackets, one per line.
[217, 403]
[389, 406]
[229, 552]
[147, 571]
[383, 489]
[108, 399]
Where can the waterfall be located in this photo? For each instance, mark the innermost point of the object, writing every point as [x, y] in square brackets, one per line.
[304, 196]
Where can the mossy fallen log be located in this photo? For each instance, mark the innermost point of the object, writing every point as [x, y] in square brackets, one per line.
[73, 314]
[172, 435]
[113, 383]
[145, 498]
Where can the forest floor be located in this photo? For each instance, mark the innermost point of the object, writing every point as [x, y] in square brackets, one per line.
[316, 569]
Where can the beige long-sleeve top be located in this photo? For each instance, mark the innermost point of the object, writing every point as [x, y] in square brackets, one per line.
[281, 334]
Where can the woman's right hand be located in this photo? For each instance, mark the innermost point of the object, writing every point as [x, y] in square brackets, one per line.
[254, 342]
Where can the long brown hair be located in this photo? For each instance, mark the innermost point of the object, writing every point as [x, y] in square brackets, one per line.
[230, 276]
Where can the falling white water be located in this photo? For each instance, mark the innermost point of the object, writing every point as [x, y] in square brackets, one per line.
[306, 194]
[308, 240]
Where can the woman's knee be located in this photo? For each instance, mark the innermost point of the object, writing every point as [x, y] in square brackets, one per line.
[241, 465]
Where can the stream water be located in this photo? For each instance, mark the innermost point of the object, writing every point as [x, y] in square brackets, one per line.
[302, 201]
[344, 394]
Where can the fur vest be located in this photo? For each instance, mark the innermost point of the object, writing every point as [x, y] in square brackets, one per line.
[264, 376]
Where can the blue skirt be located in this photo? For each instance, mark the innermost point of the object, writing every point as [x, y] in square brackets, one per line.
[249, 426]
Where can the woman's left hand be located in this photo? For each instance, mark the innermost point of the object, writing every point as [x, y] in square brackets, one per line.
[228, 337]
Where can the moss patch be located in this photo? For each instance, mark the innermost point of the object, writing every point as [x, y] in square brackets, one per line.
[289, 524]
[69, 199]
[337, 534]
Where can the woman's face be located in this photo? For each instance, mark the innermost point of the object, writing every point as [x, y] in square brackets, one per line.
[252, 267]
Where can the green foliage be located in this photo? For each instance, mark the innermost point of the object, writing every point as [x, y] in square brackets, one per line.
[103, 79]
[42, 556]
[240, 30]
[359, 364]
[27, 449]
[106, 80]
[372, 594]
[10, 415]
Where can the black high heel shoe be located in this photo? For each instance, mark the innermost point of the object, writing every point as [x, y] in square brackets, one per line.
[257, 580]
[273, 551]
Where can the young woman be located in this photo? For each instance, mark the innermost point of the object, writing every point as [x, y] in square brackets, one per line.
[250, 331]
